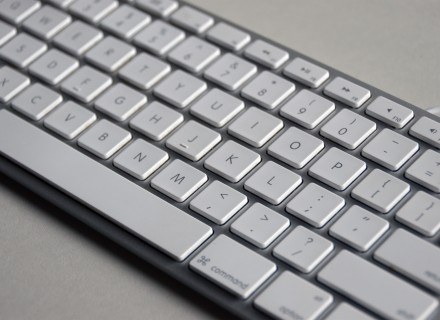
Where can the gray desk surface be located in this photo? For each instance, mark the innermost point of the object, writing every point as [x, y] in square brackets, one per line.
[52, 267]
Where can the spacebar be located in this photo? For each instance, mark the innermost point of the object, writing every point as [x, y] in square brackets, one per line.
[137, 210]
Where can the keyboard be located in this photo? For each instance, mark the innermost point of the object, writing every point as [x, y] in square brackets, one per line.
[267, 182]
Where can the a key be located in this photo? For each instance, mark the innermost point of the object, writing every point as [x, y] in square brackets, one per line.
[255, 127]
[156, 121]
[140, 159]
[120, 102]
[347, 92]
[348, 129]
[11, 83]
[179, 180]
[260, 225]
[161, 8]
[362, 287]
[421, 213]
[291, 297]
[194, 54]
[232, 161]
[36, 101]
[78, 37]
[69, 120]
[359, 228]
[193, 140]
[218, 202]
[303, 249]
[15, 11]
[347, 311]
[22, 50]
[427, 130]
[192, 20]
[86, 84]
[295, 147]
[125, 21]
[426, 170]
[93, 11]
[180, 89]
[315, 205]
[104, 138]
[228, 36]
[53, 66]
[60, 3]
[306, 72]
[380, 191]
[419, 260]
[144, 71]
[266, 54]
[7, 32]
[390, 112]
[337, 169]
[268, 90]
[47, 22]
[230, 71]
[273, 182]
[217, 107]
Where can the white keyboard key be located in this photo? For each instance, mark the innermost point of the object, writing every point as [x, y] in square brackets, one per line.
[93, 11]
[47, 22]
[427, 130]
[159, 37]
[295, 147]
[268, 90]
[78, 37]
[303, 249]
[144, 71]
[36, 101]
[110, 54]
[194, 54]
[179, 180]
[22, 50]
[88, 180]
[266, 54]
[218, 202]
[255, 127]
[419, 260]
[193, 140]
[347, 311]
[380, 191]
[232, 161]
[7, 32]
[15, 11]
[307, 109]
[86, 84]
[156, 121]
[363, 284]
[161, 8]
[337, 169]
[315, 205]
[421, 213]
[228, 36]
[347, 92]
[390, 149]
[230, 71]
[69, 120]
[192, 20]
[60, 3]
[291, 297]
[217, 107]
[359, 228]
[140, 159]
[246, 270]
[260, 225]
[104, 139]
[11, 83]
[180, 89]
[390, 112]
[273, 182]
[348, 129]
[120, 102]
[306, 72]
[125, 21]
[426, 171]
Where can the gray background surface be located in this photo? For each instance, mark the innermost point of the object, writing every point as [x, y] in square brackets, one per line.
[52, 267]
